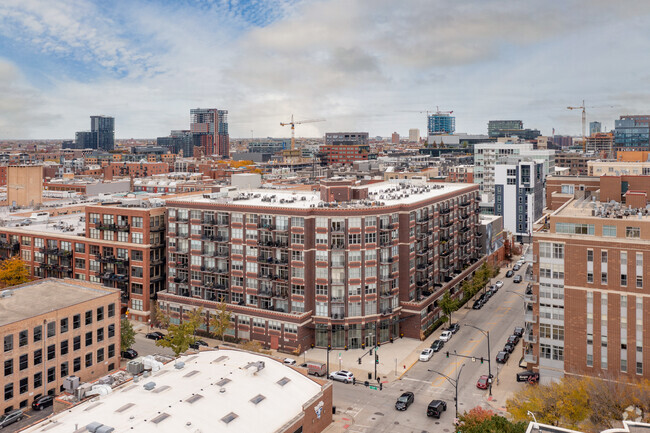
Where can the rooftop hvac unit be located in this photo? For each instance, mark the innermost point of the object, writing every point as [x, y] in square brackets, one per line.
[134, 367]
[71, 383]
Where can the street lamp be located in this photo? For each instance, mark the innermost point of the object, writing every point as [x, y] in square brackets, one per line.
[454, 383]
[532, 415]
[487, 334]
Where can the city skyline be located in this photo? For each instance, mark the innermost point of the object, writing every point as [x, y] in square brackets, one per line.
[361, 65]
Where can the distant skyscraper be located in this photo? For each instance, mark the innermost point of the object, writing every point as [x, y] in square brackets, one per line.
[103, 128]
[632, 133]
[594, 128]
[178, 141]
[495, 127]
[441, 123]
[209, 127]
[395, 138]
[414, 135]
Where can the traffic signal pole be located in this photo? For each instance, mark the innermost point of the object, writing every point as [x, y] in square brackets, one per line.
[486, 333]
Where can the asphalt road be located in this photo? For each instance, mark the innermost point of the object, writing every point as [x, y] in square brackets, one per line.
[374, 411]
[31, 416]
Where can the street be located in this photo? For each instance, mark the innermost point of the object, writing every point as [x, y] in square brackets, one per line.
[499, 316]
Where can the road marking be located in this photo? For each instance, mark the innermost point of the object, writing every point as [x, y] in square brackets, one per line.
[416, 380]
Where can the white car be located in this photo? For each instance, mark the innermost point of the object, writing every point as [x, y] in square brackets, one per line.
[499, 284]
[342, 376]
[289, 361]
[426, 354]
[446, 336]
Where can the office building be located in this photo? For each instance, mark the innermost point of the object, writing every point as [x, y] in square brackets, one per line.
[632, 133]
[414, 135]
[563, 141]
[209, 128]
[588, 308]
[576, 162]
[595, 128]
[441, 123]
[617, 168]
[394, 139]
[179, 142]
[121, 246]
[601, 144]
[495, 127]
[519, 195]
[345, 147]
[347, 266]
[270, 145]
[346, 138]
[53, 329]
[85, 140]
[210, 391]
[104, 129]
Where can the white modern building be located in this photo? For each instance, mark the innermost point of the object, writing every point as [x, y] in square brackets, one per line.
[519, 194]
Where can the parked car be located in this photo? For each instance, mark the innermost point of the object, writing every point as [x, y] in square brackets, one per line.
[502, 357]
[516, 267]
[509, 274]
[489, 292]
[513, 339]
[42, 402]
[519, 331]
[454, 327]
[197, 344]
[437, 345]
[10, 417]
[499, 284]
[446, 335]
[527, 376]
[315, 368]
[289, 361]
[129, 354]
[342, 376]
[155, 335]
[404, 401]
[477, 304]
[426, 354]
[436, 408]
[517, 279]
[482, 382]
[509, 347]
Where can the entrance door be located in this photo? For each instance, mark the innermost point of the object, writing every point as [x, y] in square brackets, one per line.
[274, 342]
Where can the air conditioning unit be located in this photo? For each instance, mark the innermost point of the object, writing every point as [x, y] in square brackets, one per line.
[71, 383]
[134, 367]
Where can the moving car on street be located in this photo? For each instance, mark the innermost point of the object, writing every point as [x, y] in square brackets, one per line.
[509, 274]
[155, 335]
[342, 376]
[436, 408]
[404, 401]
[482, 382]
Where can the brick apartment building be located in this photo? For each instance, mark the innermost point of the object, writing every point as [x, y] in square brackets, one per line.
[118, 245]
[135, 169]
[575, 162]
[52, 329]
[587, 313]
[560, 189]
[346, 266]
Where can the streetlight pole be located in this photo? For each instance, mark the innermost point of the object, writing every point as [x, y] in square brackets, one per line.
[454, 383]
[487, 334]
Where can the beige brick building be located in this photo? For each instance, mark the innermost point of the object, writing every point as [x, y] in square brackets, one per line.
[52, 329]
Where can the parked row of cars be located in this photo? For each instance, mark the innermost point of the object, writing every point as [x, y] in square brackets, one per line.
[491, 291]
[438, 344]
[511, 343]
[41, 402]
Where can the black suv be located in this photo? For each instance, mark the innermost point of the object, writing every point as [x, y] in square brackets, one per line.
[513, 339]
[436, 408]
[42, 402]
[519, 331]
[454, 327]
[198, 343]
[509, 274]
[404, 401]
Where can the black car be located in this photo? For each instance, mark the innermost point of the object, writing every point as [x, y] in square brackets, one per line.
[477, 304]
[437, 345]
[509, 347]
[42, 402]
[436, 408]
[517, 279]
[454, 327]
[404, 401]
[519, 331]
[198, 343]
[502, 357]
[509, 274]
[155, 335]
[527, 376]
[516, 267]
[129, 354]
[513, 339]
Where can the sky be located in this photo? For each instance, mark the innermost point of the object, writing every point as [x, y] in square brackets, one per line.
[361, 65]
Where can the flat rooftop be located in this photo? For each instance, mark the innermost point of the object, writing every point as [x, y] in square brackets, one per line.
[43, 296]
[612, 210]
[379, 194]
[215, 390]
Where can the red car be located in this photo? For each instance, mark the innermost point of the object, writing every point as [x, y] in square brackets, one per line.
[482, 382]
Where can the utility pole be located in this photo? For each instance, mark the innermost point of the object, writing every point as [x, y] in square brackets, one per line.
[486, 333]
[376, 360]
[453, 382]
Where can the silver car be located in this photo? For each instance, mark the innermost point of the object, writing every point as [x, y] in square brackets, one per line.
[342, 376]
[11, 417]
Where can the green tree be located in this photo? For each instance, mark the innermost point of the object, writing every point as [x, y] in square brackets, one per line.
[158, 317]
[127, 334]
[448, 305]
[178, 338]
[13, 272]
[479, 420]
[196, 320]
[220, 322]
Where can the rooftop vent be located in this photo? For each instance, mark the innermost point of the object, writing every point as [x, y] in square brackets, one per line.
[258, 398]
[283, 381]
[230, 417]
[163, 416]
[179, 365]
[222, 382]
[194, 398]
[149, 386]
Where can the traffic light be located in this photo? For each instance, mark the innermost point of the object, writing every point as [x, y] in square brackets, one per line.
[376, 359]
[370, 352]
[359, 361]
[481, 360]
[329, 347]
[447, 354]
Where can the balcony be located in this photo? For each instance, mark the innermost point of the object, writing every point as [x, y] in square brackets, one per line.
[464, 204]
[423, 220]
[531, 299]
[158, 228]
[529, 317]
[386, 311]
[208, 220]
[338, 316]
[223, 222]
[266, 226]
[478, 234]
[530, 358]
[464, 216]
[386, 227]
[445, 253]
[530, 338]
[114, 227]
[114, 277]
[264, 293]
[444, 211]
[465, 241]
[464, 229]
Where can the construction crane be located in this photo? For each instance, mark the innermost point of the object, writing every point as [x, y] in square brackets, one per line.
[584, 118]
[293, 128]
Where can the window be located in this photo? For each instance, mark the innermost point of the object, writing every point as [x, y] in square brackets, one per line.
[64, 325]
[76, 343]
[89, 317]
[111, 350]
[23, 362]
[632, 232]
[100, 355]
[9, 367]
[100, 334]
[76, 364]
[64, 369]
[22, 338]
[609, 231]
[89, 360]
[111, 330]
[51, 329]
[100, 314]
[24, 385]
[9, 391]
[76, 321]
[111, 310]
[136, 238]
[51, 352]
[38, 356]
[9, 342]
[51, 374]
[89, 338]
[38, 333]
[64, 347]
[136, 222]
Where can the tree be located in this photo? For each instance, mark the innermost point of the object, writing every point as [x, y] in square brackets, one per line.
[196, 320]
[479, 420]
[158, 317]
[13, 272]
[448, 305]
[178, 338]
[252, 346]
[127, 334]
[220, 322]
